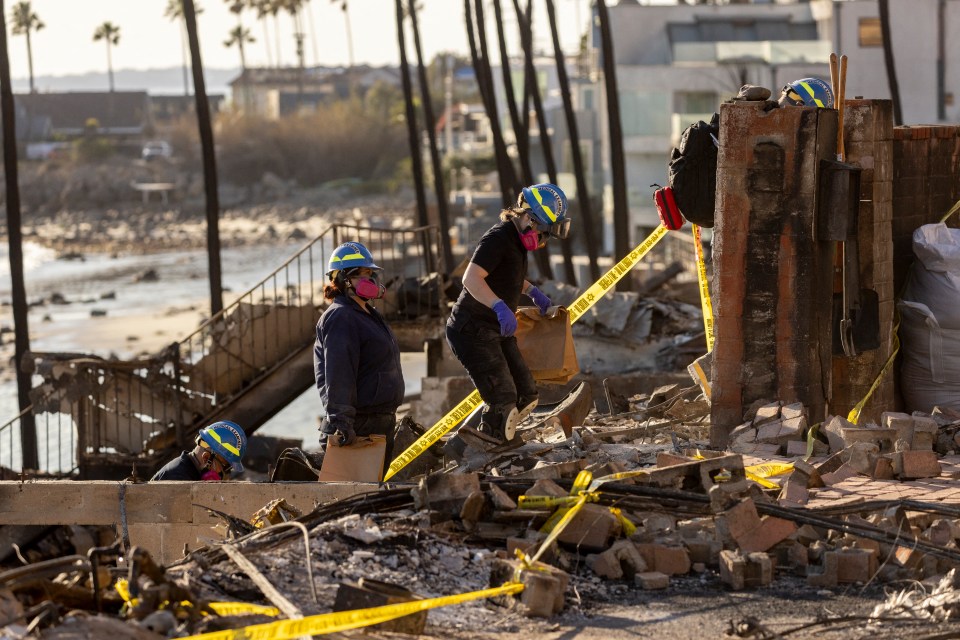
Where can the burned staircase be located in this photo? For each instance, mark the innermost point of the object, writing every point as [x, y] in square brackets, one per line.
[96, 418]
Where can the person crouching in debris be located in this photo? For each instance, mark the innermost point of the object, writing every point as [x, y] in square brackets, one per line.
[480, 330]
[218, 453]
[356, 356]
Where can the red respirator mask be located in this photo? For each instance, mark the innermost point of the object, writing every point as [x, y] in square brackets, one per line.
[368, 288]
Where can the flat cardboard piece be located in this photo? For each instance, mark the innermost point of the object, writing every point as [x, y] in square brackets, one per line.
[546, 342]
[361, 461]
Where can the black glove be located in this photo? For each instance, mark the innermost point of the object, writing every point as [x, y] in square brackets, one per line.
[347, 436]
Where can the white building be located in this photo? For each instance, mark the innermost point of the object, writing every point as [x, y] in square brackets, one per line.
[677, 63]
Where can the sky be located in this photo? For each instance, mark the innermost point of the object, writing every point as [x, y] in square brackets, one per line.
[149, 40]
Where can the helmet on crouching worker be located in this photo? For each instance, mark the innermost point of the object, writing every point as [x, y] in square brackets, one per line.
[807, 92]
[227, 440]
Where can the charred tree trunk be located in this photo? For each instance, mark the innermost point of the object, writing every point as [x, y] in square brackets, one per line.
[621, 210]
[509, 185]
[533, 89]
[411, 115]
[888, 61]
[588, 226]
[430, 123]
[28, 429]
[209, 160]
[520, 134]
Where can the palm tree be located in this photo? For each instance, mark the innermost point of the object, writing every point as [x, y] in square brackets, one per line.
[429, 124]
[111, 33]
[263, 9]
[509, 185]
[346, 18]
[25, 21]
[295, 9]
[520, 133]
[239, 37]
[411, 117]
[174, 11]
[532, 88]
[621, 211]
[209, 160]
[28, 431]
[583, 197]
[888, 61]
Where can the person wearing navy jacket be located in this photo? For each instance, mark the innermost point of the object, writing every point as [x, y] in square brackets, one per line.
[356, 356]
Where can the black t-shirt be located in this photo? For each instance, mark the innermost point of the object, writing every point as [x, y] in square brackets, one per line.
[503, 257]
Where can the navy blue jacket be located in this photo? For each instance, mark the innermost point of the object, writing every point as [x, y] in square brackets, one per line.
[356, 363]
[181, 468]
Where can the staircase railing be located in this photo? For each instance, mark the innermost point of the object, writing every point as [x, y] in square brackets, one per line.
[95, 414]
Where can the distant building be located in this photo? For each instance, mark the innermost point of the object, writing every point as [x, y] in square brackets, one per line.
[117, 114]
[170, 108]
[276, 92]
[677, 63]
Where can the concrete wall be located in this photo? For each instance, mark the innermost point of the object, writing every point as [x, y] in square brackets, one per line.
[162, 517]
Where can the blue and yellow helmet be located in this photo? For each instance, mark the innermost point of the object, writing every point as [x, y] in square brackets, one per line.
[348, 256]
[547, 204]
[227, 440]
[807, 92]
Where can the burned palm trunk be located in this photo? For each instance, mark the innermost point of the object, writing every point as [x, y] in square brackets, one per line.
[532, 88]
[587, 226]
[621, 208]
[28, 431]
[209, 160]
[509, 185]
[411, 116]
[520, 134]
[430, 121]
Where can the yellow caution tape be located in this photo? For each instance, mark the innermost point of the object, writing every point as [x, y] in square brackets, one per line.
[606, 282]
[628, 527]
[952, 211]
[705, 303]
[854, 415]
[546, 502]
[770, 469]
[763, 482]
[243, 609]
[562, 522]
[580, 306]
[123, 588]
[221, 608]
[344, 620]
[581, 483]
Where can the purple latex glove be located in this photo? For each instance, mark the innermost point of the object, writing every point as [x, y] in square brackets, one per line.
[539, 299]
[506, 318]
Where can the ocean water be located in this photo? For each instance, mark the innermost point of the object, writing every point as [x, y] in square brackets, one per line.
[182, 283]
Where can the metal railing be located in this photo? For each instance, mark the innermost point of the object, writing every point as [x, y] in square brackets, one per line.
[91, 411]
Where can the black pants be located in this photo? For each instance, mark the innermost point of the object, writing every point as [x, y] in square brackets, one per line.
[367, 424]
[494, 364]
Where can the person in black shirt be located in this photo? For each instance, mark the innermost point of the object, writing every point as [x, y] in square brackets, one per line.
[356, 356]
[481, 326]
[218, 453]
